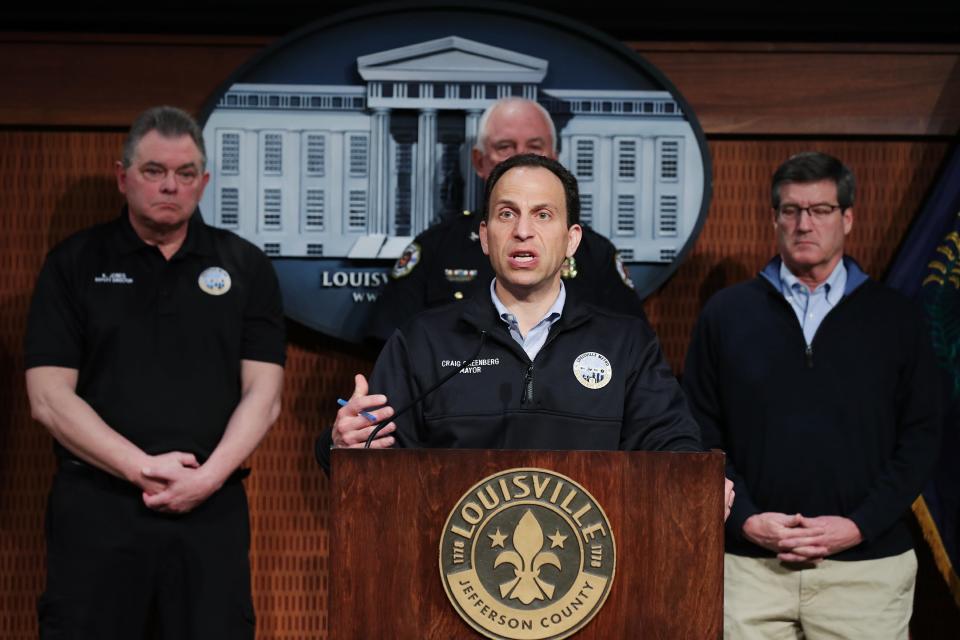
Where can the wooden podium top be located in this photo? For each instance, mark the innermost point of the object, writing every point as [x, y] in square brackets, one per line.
[391, 509]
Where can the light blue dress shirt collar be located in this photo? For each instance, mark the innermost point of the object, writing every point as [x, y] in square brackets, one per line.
[811, 307]
[537, 336]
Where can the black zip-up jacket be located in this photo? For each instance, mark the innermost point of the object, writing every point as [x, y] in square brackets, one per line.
[502, 400]
[846, 427]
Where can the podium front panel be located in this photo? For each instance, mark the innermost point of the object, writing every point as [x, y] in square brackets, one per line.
[390, 507]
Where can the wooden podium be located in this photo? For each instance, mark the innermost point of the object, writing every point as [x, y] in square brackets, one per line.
[390, 508]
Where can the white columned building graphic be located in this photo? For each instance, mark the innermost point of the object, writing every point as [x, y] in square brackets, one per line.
[343, 171]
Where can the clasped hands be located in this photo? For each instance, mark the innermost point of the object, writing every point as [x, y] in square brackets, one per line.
[174, 482]
[797, 538]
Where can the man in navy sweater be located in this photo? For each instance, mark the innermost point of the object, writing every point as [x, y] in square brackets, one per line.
[820, 385]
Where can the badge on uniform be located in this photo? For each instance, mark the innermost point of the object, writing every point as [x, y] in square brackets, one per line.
[214, 281]
[407, 261]
[592, 370]
[569, 269]
[117, 277]
[622, 269]
[460, 275]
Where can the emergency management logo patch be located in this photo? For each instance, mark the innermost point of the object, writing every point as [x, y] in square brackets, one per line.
[592, 370]
[407, 261]
[214, 281]
[527, 554]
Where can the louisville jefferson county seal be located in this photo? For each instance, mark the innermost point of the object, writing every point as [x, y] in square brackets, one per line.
[527, 554]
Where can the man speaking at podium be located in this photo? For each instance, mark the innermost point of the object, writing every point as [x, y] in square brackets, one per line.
[527, 366]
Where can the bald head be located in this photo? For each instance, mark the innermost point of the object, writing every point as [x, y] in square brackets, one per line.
[509, 127]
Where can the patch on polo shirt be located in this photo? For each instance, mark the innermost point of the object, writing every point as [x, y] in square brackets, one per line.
[592, 370]
[407, 261]
[117, 277]
[214, 281]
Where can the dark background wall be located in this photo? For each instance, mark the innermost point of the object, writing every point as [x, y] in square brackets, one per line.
[811, 21]
[880, 89]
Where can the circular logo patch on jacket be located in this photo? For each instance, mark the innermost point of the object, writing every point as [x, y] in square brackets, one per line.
[407, 260]
[214, 281]
[592, 370]
[527, 554]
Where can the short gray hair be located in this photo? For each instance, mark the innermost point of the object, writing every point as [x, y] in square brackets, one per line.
[169, 122]
[485, 117]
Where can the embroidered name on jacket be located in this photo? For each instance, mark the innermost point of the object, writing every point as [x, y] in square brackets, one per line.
[117, 277]
[474, 367]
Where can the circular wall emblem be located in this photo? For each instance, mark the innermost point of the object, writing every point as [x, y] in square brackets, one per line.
[527, 554]
[214, 281]
[332, 169]
[592, 370]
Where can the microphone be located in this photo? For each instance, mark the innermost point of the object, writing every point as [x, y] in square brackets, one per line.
[441, 382]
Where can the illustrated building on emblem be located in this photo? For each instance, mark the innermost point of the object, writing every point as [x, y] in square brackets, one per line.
[344, 171]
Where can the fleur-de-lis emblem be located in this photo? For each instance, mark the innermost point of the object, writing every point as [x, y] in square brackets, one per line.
[527, 560]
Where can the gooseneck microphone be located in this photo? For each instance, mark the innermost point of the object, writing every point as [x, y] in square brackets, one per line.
[439, 383]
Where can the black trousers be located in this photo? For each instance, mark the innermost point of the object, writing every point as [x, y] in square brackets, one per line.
[118, 570]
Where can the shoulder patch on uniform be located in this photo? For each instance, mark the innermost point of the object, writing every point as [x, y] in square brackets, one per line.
[214, 281]
[622, 270]
[592, 370]
[407, 261]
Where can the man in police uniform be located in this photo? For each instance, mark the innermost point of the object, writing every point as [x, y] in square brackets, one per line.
[154, 355]
[445, 264]
[550, 371]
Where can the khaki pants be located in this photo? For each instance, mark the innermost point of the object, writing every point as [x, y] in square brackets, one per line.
[765, 599]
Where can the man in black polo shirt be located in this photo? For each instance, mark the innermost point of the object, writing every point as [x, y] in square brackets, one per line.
[154, 355]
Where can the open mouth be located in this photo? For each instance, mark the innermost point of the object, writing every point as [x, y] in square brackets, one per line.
[523, 257]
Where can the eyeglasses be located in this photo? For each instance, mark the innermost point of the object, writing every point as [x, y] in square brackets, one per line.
[817, 212]
[185, 176]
